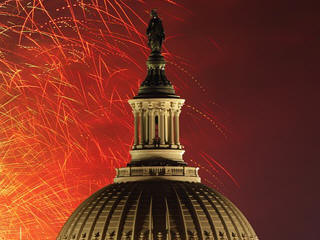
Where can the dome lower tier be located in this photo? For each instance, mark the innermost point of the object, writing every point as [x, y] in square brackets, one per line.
[157, 210]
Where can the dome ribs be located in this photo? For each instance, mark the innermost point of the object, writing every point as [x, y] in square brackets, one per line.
[242, 220]
[142, 218]
[158, 210]
[214, 206]
[186, 200]
[150, 220]
[224, 207]
[175, 217]
[184, 234]
[235, 214]
[126, 216]
[76, 216]
[94, 226]
[90, 210]
[168, 225]
[129, 188]
[193, 190]
[135, 216]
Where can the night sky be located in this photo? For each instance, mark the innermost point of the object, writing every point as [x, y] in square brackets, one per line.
[265, 74]
[251, 66]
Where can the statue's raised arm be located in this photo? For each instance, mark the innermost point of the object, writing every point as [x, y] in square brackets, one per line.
[155, 32]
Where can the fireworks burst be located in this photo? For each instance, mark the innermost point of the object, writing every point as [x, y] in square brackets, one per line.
[67, 69]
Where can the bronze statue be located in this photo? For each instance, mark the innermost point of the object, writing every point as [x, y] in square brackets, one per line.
[155, 32]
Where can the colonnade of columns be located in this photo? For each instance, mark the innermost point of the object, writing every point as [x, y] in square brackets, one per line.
[156, 126]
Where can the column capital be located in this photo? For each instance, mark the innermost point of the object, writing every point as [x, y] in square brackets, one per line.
[173, 104]
[162, 111]
[177, 112]
[150, 105]
[151, 111]
[163, 104]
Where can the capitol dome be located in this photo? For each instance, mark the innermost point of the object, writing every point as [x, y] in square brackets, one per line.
[157, 210]
[157, 196]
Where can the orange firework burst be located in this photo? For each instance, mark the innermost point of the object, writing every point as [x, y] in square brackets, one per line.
[67, 69]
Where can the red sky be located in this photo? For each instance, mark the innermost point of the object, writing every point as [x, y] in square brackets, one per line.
[265, 74]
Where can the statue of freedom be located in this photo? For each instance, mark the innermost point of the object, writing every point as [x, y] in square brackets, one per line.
[155, 32]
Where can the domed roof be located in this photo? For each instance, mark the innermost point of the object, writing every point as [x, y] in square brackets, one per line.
[157, 210]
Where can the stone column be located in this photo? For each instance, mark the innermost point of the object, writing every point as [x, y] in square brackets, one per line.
[151, 126]
[146, 124]
[141, 123]
[171, 132]
[161, 129]
[136, 127]
[166, 130]
[177, 132]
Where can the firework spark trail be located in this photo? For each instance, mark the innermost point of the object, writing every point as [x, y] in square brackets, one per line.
[67, 69]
